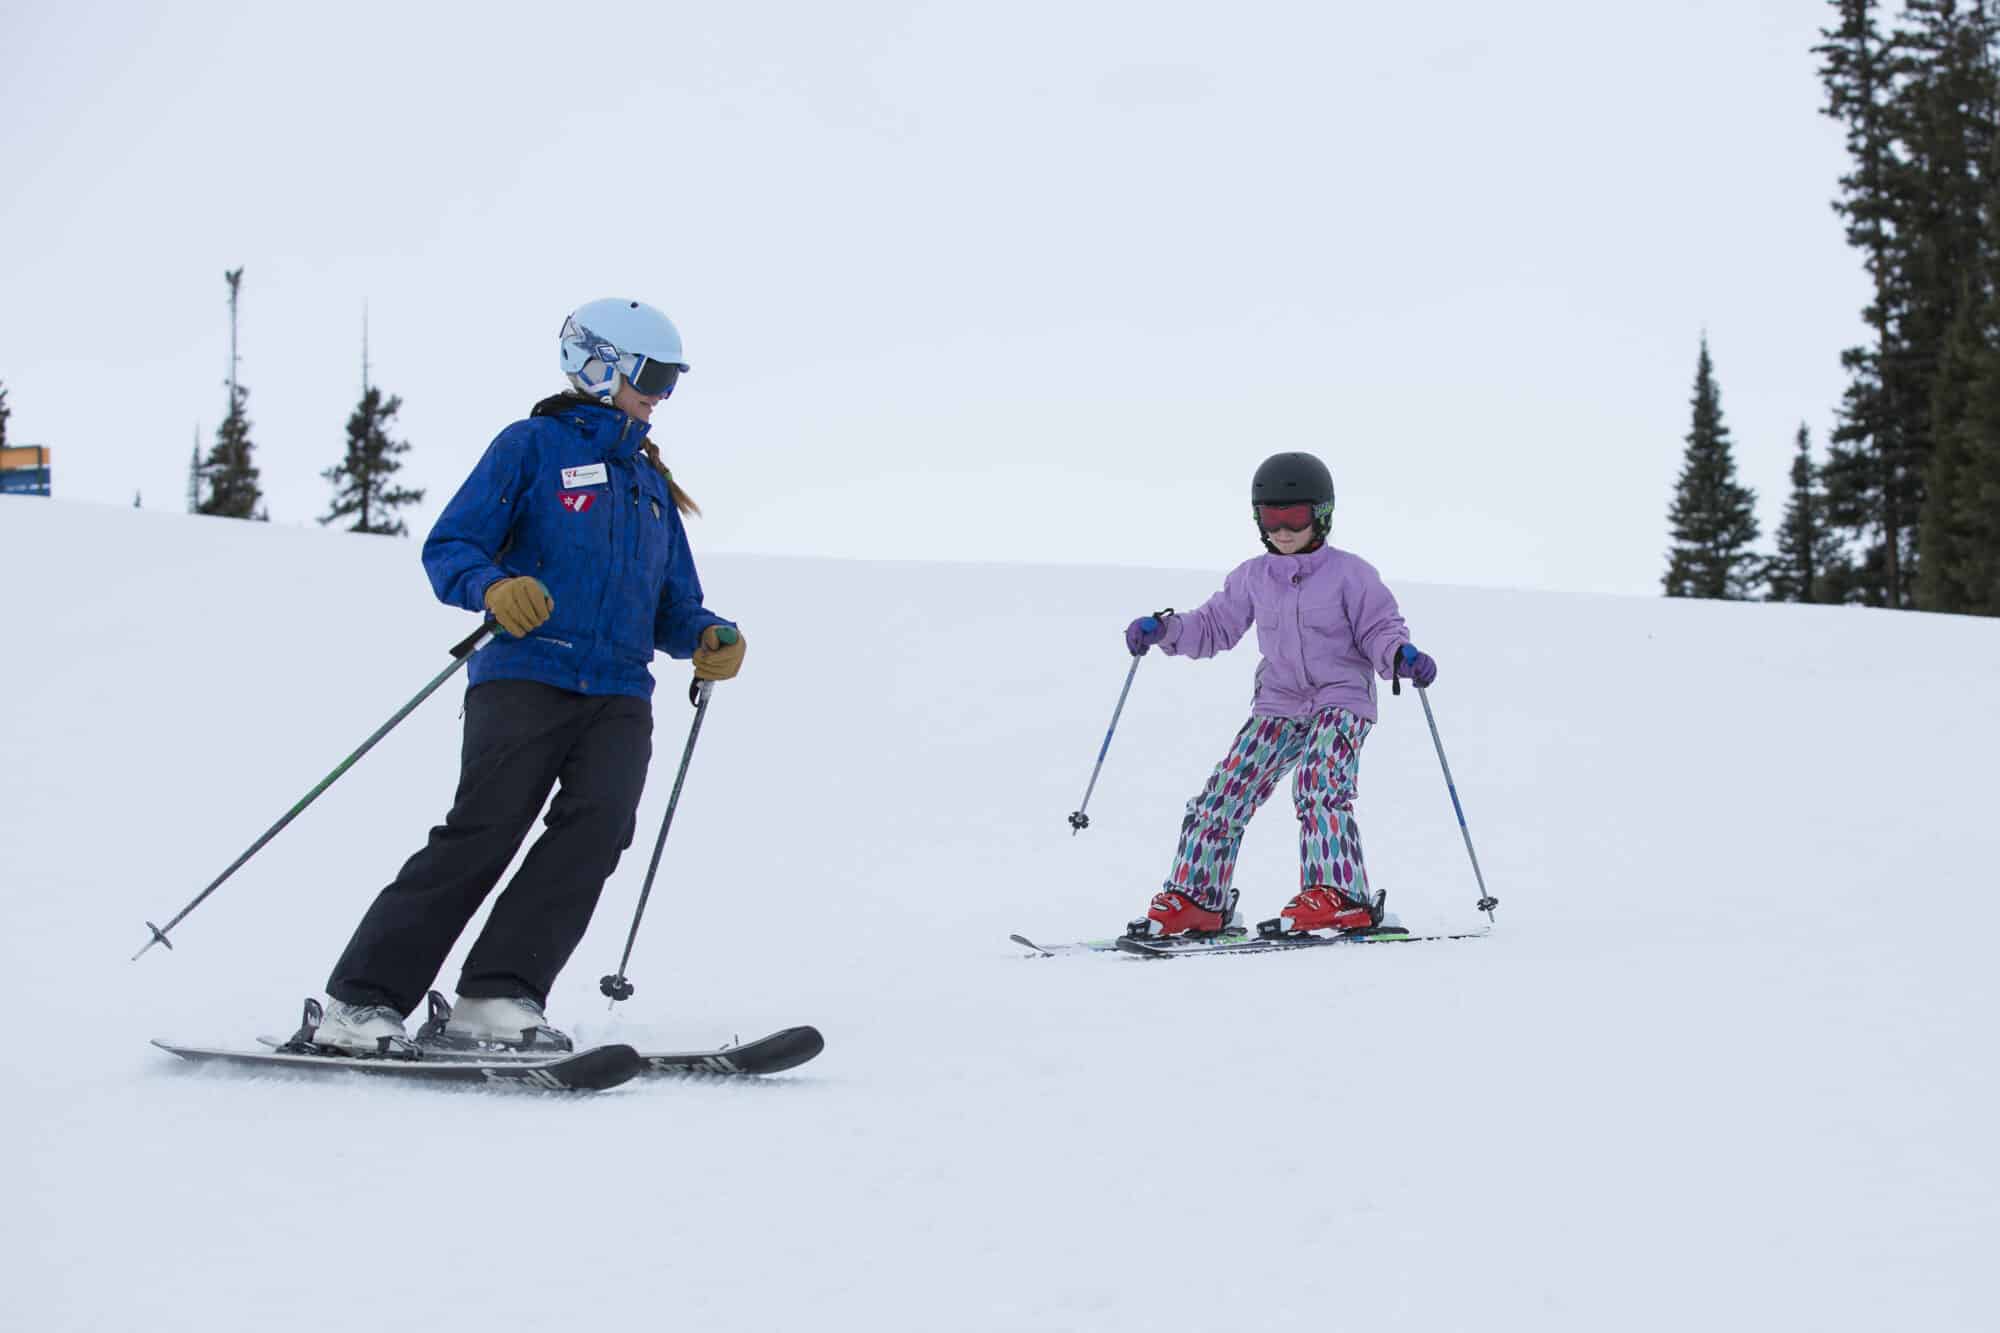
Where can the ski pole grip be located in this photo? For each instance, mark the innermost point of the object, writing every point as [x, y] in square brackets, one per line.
[1404, 656]
[724, 637]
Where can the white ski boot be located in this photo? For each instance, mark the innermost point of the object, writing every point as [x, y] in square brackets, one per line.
[491, 1023]
[362, 1029]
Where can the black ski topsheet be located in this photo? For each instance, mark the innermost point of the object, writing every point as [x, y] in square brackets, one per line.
[594, 1070]
[787, 1048]
[1281, 943]
[784, 1049]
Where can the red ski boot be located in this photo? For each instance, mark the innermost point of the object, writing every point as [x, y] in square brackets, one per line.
[1322, 908]
[1174, 913]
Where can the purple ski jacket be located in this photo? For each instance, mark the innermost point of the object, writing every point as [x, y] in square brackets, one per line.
[1326, 625]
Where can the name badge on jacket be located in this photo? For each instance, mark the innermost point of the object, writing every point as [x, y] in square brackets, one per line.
[594, 475]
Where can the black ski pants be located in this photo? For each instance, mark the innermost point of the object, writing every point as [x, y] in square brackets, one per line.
[521, 739]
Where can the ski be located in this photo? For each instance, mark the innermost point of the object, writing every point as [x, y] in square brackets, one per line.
[787, 1048]
[594, 1070]
[1280, 943]
[1110, 943]
[1235, 930]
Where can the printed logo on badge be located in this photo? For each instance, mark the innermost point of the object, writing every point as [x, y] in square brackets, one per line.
[577, 501]
[594, 475]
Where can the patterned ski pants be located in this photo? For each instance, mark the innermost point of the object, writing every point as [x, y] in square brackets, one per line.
[1326, 749]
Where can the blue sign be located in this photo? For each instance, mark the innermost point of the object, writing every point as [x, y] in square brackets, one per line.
[24, 481]
[25, 469]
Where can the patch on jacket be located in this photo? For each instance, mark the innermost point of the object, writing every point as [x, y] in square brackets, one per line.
[594, 475]
[577, 501]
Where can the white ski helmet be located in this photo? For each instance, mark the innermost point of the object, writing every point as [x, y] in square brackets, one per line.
[611, 342]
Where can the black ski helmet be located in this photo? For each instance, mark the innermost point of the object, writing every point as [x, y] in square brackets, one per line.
[1294, 478]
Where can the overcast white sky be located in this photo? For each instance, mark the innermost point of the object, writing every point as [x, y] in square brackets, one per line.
[980, 281]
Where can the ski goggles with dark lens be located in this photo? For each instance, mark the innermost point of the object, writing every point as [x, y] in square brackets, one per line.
[655, 379]
[1292, 518]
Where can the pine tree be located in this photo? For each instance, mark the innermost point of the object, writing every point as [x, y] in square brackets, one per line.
[1922, 107]
[229, 477]
[1975, 565]
[1810, 565]
[361, 480]
[1867, 473]
[1952, 101]
[1961, 527]
[5, 412]
[1951, 530]
[1714, 519]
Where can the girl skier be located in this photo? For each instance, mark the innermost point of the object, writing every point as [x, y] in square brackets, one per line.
[1326, 627]
[568, 533]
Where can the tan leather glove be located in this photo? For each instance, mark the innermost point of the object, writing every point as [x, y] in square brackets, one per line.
[519, 604]
[720, 655]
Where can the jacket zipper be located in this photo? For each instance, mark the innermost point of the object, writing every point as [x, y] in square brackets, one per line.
[611, 533]
[1299, 624]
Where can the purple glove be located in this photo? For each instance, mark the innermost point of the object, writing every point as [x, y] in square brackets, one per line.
[1144, 632]
[1419, 667]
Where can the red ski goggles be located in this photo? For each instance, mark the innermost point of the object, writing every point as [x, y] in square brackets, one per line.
[1292, 518]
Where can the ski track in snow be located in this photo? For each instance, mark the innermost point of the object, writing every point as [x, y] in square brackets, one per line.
[1725, 1061]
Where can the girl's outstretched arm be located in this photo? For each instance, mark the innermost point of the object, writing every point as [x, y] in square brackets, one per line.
[1215, 625]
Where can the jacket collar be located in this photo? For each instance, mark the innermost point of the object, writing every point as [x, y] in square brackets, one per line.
[1310, 562]
[597, 421]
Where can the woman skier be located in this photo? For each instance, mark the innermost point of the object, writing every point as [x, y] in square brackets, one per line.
[1326, 627]
[568, 534]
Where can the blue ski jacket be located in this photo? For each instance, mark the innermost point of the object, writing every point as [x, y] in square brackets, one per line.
[569, 497]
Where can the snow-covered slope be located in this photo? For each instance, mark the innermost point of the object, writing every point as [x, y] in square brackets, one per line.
[1726, 1060]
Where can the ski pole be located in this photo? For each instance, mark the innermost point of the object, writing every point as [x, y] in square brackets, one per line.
[1487, 902]
[616, 986]
[461, 652]
[1078, 820]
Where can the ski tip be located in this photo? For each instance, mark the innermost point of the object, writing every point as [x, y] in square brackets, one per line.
[1027, 943]
[790, 1048]
[597, 1069]
[600, 1068]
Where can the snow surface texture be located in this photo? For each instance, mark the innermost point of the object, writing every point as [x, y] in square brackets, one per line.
[1726, 1061]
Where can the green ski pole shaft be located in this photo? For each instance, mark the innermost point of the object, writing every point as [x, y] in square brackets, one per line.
[461, 653]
